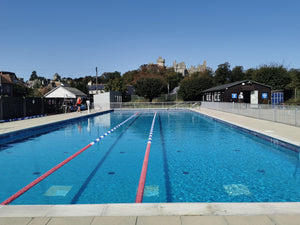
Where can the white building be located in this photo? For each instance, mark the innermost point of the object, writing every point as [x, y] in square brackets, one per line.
[65, 92]
[104, 100]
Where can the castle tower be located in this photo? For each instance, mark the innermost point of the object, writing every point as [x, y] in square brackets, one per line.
[161, 62]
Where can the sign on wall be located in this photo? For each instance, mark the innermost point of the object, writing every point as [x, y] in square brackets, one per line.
[264, 95]
[233, 95]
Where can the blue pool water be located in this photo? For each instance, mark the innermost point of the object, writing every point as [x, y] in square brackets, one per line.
[192, 159]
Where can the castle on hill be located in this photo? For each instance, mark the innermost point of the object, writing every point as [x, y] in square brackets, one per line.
[181, 67]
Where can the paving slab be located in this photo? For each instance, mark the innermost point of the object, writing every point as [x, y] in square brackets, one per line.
[70, 221]
[115, 220]
[24, 210]
[285, 219]
[39, 221]
[76, 210]
[249, 220]
[140, 209]
[15, 221]
[203, 220]
[173, 209]
[158, 220]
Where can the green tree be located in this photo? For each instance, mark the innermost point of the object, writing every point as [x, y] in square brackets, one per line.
[222, 74]
[33, 76]
[275, 76]
[173, 79]
[129, 77]
[110, 75]
[87, 79]
[80, 84]
[149, 87]
[36, 84]
[116, 84]
[20, 90]
[295, 81]
[237, 74]
[249, 74]
[191, 88]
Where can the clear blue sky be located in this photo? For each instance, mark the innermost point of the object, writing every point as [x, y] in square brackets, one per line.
[72, 37]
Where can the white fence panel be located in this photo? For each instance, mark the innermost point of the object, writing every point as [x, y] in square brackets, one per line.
[283, 114]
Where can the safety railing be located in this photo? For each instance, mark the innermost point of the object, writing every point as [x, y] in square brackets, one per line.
[277, 113]
[155, 105]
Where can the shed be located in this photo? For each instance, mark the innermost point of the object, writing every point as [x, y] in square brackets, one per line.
[246, 91]
[104, 100]
[65, 92]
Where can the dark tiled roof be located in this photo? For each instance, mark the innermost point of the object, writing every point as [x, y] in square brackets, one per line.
[100, 87]
[130, 90]
[224, 86]
[75, 91]
[6, 79]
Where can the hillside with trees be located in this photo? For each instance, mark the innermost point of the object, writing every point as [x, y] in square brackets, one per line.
[151, 81]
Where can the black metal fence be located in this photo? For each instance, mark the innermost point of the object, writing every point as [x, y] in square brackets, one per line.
[19, 107]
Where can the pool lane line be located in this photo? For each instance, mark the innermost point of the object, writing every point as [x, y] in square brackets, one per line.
[140, 190]
[166, 166]
[49, 172]
[92, 174]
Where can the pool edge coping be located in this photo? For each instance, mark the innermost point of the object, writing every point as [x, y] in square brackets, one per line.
[284, 142]
[151, 209]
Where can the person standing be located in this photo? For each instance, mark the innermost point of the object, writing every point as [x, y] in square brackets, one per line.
[78, 103]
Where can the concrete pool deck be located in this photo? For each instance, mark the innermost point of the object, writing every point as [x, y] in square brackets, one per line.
[159, 213]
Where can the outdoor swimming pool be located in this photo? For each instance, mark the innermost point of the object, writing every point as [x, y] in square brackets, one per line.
[192, 159]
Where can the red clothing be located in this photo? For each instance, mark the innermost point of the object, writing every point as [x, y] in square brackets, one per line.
[78, 101]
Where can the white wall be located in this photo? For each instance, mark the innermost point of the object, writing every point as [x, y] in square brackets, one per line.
[102, 101]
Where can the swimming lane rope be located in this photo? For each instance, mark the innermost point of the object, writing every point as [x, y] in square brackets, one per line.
[39, 179]
[140, 191]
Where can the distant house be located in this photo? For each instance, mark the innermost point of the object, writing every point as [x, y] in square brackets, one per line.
[130, 90]
[93, 89]
[65, 92]
[7, 79]
[246, 91]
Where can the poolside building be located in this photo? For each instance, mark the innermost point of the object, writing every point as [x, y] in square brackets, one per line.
[65, 92]
[245, 91]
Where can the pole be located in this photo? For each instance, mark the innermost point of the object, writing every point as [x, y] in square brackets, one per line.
[96, 80]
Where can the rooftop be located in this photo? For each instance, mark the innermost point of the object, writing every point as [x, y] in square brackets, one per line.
[224, 86]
